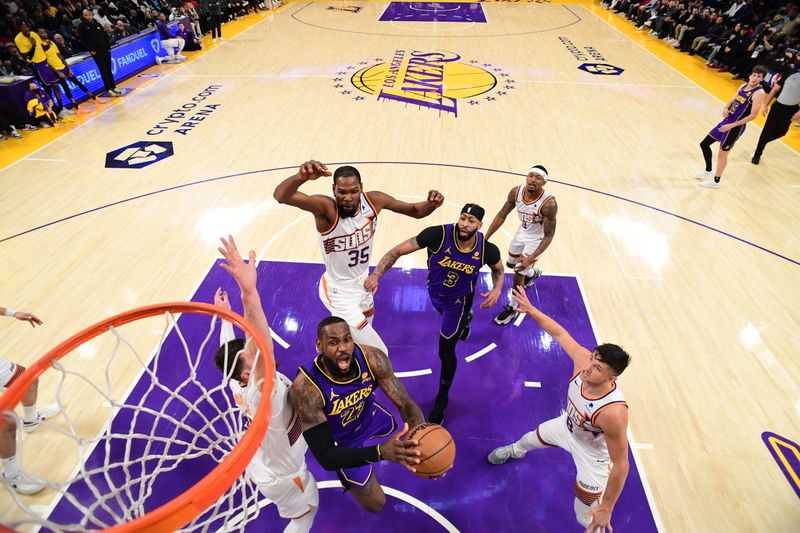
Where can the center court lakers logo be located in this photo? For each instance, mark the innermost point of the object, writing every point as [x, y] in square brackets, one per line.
[139, 154]
[436, 80]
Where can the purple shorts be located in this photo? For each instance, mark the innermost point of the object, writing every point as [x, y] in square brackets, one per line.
[374, 429]
[728, 138]
[45, 73]
[454, 311]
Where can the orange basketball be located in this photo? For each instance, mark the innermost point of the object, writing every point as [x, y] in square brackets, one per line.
[437, 450]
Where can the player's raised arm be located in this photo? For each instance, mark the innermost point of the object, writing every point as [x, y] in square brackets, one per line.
[575, 351]
[501, 215]
[613, 420]
[393, 387]
[25, 316]
[287, 191]
[381, 200]
[244, 272]
[386, 262]
[308, 403]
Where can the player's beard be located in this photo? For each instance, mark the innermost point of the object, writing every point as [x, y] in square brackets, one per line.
[346, 213]
[470, 235]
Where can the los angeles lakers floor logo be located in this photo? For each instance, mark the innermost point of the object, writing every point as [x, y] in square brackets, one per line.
[436, 80]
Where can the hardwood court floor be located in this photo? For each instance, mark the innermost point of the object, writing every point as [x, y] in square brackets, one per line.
[700, 286]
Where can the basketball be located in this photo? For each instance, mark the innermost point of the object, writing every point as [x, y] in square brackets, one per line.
[437, 450]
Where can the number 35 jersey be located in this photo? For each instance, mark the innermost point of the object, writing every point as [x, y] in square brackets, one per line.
[347, 246]
[350, 406]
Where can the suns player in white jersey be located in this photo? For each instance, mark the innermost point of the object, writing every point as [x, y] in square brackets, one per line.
[593, 429]
[537, 211]
[346, 225]
[278, 467]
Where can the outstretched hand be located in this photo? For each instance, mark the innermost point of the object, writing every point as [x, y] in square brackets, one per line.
[25, 316]
[401, 451]
[244, 272]
[523, 304]
[311, 170]
[221, 299]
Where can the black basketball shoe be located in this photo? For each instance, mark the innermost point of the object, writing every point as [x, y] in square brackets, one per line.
[506, 315]
[436, 416]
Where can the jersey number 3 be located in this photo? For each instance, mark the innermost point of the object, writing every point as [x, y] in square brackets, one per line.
[358, 257]
[452, 279]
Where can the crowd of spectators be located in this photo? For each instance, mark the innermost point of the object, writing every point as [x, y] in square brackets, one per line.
[732, 35]
[37, 37]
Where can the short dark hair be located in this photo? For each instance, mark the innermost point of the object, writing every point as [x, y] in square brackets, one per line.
[327, 321]
[346, 172]
[614, 356]
[541, 167]
[227, 355]
[760, 69]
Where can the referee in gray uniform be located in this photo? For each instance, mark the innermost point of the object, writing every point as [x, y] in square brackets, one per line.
[785, 109]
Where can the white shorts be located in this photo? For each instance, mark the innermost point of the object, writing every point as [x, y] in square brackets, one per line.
[523, 243]
[350, 301]
[593, 466]
[9, 372]
[292, 495]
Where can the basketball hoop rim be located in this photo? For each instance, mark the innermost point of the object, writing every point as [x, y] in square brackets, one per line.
[184, 508]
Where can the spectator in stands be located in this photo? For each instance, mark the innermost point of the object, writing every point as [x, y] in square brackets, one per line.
[735, 50]
[94, 39]
[16, 62]
[714, 32]
[122, 30]
[65, 49]
[169, 42]
[110, 35]
[760, 46]
[194, 16]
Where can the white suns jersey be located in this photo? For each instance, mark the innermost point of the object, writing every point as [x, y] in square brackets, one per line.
[529, 213]
[582, 413]
[347, 246]
[282, 451]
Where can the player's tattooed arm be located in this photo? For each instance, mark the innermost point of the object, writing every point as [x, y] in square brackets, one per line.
[322, 207]
[393, 388]
[548, 212]
[386, 262]
[307, 402]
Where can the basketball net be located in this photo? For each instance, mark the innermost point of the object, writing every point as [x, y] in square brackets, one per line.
[168, 453]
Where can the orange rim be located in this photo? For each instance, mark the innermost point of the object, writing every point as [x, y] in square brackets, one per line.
[185, 507]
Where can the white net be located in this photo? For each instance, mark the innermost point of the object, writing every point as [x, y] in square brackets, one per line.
[134, 432]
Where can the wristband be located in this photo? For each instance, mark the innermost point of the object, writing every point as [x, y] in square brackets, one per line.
[380, 456]
[9, 312]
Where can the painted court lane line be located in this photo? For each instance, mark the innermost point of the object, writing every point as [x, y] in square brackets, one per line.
[480, 353]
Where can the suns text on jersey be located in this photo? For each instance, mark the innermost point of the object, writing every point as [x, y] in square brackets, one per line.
[343, 243]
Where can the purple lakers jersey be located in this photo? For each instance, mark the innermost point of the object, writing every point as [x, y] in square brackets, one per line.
[451, 271]
[353, 414]
[742, 104]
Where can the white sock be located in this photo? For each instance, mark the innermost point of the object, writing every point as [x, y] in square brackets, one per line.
[581, 510]
[302, 524]
[528, 442]
[30, 413]
[10, 466]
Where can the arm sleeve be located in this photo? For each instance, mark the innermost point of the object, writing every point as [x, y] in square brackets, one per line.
[431, 237]
[491, 254]
[333, 457]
